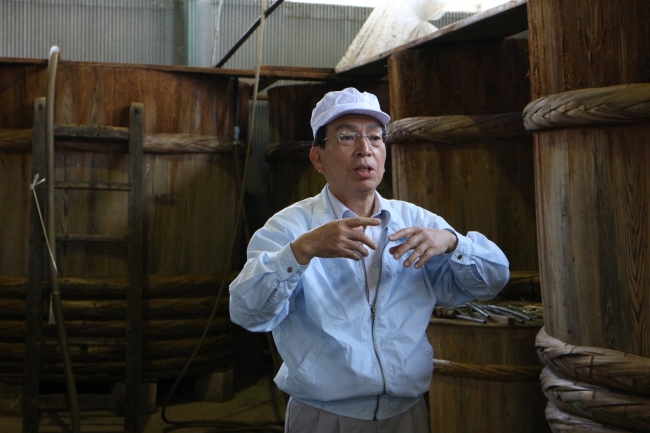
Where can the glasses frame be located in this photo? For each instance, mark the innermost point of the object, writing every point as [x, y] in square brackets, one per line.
[383, 135]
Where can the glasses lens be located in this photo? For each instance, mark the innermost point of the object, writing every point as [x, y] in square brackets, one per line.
[348, 137]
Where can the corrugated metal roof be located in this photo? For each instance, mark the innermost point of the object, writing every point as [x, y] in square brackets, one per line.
[176, 32]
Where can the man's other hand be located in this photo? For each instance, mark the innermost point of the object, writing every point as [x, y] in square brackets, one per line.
[341, 238]
[424, 242]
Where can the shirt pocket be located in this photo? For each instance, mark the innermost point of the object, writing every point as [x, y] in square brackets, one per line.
[310, 363]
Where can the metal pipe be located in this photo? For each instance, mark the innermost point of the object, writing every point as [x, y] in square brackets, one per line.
[471, 319]
[247, 34]
[73, 401]
[514, 313]
[479, 310]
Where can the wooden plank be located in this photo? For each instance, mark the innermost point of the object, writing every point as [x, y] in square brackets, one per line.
[134, 296]
[91, 132]
[93, 185]
[496, 23]
[19, 140]
[34, 314]
[277, 72]
[241, 73]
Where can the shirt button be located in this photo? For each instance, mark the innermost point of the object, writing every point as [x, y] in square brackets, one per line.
[289, 269]
[460, 257]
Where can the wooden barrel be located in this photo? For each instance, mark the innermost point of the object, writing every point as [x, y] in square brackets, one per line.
[590, 70]
[293, 176]
[189, 201]
[460, 149]
[593, 183]
[482, 380]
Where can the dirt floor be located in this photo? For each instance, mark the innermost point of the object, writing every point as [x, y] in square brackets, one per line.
[257, 403]
[255, 400]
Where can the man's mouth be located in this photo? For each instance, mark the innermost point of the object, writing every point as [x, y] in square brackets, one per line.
[364, 171]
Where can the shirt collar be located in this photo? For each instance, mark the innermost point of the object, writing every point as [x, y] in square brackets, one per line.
[342, 211]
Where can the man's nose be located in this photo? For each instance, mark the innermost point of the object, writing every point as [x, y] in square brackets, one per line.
[363, 145]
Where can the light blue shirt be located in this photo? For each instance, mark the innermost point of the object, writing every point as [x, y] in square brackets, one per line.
[377, 233]
[341, 354]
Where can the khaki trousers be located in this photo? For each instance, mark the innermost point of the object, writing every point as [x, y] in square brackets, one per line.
[302, 418]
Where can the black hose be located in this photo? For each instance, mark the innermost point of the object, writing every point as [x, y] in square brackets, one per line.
[247, 34]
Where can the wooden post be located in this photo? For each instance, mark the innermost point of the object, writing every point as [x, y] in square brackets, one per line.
[134, 295]
[34, 316]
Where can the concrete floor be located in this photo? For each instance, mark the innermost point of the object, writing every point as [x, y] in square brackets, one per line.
[257, 402]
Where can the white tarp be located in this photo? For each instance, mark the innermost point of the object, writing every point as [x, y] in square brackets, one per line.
[391, 24]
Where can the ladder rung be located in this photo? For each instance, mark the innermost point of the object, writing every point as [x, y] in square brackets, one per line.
[93, 185]
[91, 132]
[92, 238]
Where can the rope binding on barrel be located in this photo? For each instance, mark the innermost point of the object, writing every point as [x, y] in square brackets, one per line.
[598, 389]
[614, 105]
[458, 128]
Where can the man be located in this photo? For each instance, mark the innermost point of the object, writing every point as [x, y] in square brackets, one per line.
[347, 282]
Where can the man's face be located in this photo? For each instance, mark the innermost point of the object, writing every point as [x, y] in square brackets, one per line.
[356, 169]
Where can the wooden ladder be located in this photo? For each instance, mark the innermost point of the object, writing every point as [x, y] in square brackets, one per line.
[38, 257]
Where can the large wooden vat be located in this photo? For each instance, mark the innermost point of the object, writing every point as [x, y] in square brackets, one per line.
[293, 176]
[460, 150]
[189, 201]
[593, 184]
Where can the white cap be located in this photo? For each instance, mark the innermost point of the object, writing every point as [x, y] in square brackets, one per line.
[346, 101]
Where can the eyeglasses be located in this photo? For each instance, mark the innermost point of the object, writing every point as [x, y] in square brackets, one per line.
[350, 138]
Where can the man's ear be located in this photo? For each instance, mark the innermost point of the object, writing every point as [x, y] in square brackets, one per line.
[315, 158]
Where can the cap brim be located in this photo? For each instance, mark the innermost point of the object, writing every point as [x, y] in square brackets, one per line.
[342, 110]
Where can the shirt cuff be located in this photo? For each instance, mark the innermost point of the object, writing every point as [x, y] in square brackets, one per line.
[463, 250]
[287, 266]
